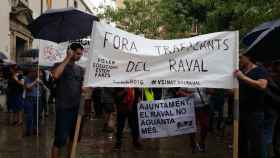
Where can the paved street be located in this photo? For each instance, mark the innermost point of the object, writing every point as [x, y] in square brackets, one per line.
[95, 143]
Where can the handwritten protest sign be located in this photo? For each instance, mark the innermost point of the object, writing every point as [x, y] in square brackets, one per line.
[51, 52]
[121, 59]
[170, 117]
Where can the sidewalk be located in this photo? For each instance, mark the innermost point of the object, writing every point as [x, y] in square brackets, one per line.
[94, 143]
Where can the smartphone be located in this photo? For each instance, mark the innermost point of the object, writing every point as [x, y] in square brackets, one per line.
[70, 51]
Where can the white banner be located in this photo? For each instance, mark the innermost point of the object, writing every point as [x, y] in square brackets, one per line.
[121, 59]
[170, 117]
[51, 52]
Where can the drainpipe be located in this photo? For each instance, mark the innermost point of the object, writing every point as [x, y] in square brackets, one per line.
[42, 6]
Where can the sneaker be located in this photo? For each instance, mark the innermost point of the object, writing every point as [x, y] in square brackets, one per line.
[195, 148]
[202, 148]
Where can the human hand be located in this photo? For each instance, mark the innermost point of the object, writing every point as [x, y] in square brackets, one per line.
[239, 74]
[69, 55]
[38, 80]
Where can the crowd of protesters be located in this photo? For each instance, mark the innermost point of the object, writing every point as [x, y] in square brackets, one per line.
[25, 88]
[30, 93]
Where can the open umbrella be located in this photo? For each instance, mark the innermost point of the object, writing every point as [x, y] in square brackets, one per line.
[60, 25]
[7, 62]
[263, 43]
[30, 53]
[2, 56]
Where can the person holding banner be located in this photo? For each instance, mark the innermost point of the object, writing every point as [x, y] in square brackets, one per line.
[253, 82]
[126, 101]
[68, 77]
[108, 107]
[32, 108]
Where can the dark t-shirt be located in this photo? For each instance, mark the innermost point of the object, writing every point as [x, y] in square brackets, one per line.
[96, 94]
[14, 89]
[120, 94]
[252, 99]
[68, 87]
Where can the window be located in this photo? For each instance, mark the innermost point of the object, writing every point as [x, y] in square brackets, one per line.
[75, 4]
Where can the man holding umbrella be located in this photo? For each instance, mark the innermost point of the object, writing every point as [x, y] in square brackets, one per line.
[68, 77]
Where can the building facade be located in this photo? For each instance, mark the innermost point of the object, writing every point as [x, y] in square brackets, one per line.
[15, 15]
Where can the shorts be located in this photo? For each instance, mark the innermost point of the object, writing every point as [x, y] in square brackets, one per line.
[108, 107]
[88, 106]
[65, 126]
[202, 117]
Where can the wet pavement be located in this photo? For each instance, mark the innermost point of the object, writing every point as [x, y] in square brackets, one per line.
[95, 143]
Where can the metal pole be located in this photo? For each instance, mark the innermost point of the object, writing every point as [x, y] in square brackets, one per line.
[38, 94]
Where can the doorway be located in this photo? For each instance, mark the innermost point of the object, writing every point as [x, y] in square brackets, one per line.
[21, 45]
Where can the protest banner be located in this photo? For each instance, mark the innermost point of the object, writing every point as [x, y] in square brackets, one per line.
[170, 117]
[121, 59]
[51, 52]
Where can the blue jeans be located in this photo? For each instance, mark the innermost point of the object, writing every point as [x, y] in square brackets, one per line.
[251, 135]
[269, 118]
[30, 108]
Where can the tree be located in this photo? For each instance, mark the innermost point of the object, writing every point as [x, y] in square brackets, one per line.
[242, 15]
[178, 16]
[139, 17]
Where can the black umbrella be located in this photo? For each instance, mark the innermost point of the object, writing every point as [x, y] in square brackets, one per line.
[60, 25]
[7, 62]
[30, 53]
[263, 43]
[3, 56]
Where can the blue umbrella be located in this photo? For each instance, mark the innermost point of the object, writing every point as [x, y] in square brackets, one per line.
[60, 25]
[263, 43]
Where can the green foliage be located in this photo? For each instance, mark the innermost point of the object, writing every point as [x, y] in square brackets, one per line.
[139, 17]
[177, 16]
[242, 15]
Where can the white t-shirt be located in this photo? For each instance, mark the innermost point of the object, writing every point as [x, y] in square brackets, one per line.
[197, 98]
